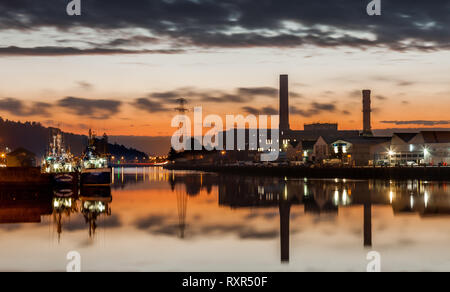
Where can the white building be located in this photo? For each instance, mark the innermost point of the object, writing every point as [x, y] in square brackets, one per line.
[426, 148]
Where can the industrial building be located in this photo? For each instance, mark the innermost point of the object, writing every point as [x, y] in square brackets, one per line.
[423, 148]
[354, 151]
[322, 143]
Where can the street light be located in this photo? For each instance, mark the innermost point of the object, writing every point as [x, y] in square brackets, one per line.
[391, 153]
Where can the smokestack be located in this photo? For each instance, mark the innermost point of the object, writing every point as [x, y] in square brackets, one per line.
[284, 103]
[367, 127]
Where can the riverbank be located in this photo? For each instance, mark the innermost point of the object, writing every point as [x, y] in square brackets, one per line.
[398, 173]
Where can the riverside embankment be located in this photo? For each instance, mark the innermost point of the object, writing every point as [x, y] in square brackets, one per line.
[24, 176]
[397, 173]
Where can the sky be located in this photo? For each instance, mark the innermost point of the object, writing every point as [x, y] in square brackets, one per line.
[121, 65]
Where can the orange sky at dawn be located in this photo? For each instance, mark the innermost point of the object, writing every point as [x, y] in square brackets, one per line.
[414, 88]
[120, 68]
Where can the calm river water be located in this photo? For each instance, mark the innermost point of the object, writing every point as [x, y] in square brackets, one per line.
[157, 220]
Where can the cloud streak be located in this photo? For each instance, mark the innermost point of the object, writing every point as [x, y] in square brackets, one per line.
[417, 122]
[18, 108]
[54, 51]
[93, 108]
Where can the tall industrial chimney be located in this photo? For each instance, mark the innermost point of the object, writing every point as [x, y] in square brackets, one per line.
[367, 127]
[284, 103]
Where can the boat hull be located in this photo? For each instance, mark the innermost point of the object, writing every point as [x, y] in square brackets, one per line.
[69, 178]
[96, 177]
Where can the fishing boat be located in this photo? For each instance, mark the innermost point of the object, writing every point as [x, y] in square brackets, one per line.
[59, 162]
[94, 166]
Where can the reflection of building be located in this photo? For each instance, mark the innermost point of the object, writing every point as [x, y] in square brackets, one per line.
[24, 205]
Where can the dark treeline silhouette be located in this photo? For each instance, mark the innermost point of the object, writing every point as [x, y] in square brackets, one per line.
[35, 137]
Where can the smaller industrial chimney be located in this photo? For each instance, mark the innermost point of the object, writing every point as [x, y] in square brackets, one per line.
[367, 111]
[284, 103]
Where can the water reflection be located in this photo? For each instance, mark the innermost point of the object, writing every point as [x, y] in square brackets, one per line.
[170, 209]
[24, 205]
[32, 204]
[320, 197]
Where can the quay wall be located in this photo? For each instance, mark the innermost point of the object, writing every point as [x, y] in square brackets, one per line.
[24, 175]
[397, 173]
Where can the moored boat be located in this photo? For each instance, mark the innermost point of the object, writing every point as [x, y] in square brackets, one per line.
[94, 166]
[59, 162]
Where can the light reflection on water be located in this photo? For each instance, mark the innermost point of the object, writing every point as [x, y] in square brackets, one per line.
[157, 220]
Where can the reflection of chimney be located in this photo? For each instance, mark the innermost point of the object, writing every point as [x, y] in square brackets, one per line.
[284, 103]
[285, 213]
[367, 127]
[368, 224]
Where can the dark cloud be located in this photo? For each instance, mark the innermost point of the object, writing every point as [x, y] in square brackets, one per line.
[262, 91]
[346, 112]
[405, 83]
[85, 85]
[133, 41]
[268, 110]
[314, 109]
[71, 51]
[92, 108]
[149, 105]
[381, 97]
[417, 122]
[355, 94]
[238, 95]
[404, 25]
[19, 108]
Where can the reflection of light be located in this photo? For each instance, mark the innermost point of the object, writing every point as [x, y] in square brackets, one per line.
[62, 202]
[336, 150]
[411, 148]
[336, 197]
[412, 202]
[305, 190]
[344, 197]
[426, 198]
[391, 197]
[344, 149]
